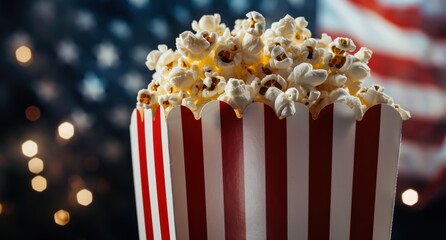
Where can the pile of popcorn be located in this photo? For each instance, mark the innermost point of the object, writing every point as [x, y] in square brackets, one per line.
[276, 66]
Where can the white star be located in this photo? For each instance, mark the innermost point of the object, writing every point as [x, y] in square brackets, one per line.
[107, 55]
[121, 116]
[67, 51]
[139, 54]
[44, 10]
[47, 90]
[139, 3]
[81, 120]
[132, 81]
[92, 88]
[112, 150]
[84, 20]
[120, 28]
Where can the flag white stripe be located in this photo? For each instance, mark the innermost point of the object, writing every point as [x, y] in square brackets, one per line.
[388, 153]
[148, 125]
[213, 170]
[375, 32]
[254, 171]
[421, 160]
[343, 151]
[426, 102]
[167, 176]
[298, 172]
[134, 143]
[176, 151]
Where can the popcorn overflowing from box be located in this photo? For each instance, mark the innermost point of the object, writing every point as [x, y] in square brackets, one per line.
[256, 133]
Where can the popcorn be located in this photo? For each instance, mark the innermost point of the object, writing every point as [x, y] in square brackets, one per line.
[282, 102]
[237, 94]
[213, 85]
[277, 66]
[304, 75]
[374, 95]
[210, 23]
[146, 98]
[196, 46]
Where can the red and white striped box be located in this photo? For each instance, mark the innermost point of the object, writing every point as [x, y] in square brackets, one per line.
[258, 177]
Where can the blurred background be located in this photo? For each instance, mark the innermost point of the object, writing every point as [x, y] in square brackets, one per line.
[70, 72]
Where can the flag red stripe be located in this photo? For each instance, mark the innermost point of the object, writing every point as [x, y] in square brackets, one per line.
[159, 171]
[391, 66]
[320, 159]
[424, 131]
[194, 169]
[233, 172]
[275, 175]
[364, 175]
[404, 17]
[409, 71]
[407, 17]
[144, 175]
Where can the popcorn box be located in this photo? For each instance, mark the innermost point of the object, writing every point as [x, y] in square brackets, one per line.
[259, 177]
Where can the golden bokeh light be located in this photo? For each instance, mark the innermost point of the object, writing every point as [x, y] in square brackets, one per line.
[84, 197]
[38, 183]
[62, 217]
[410, 197]
[1, 208]
[23, 54]
[29, 148]
[35, 165]
[32, 113]
[66, 130]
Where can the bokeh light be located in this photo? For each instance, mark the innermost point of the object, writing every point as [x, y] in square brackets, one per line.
[410, 197]
[1, 208]
[66, 130]
[62, 217]
[84, 197]
[29, 148]
[35, 165]
[23, 54]
[38, 183]
[32, 113]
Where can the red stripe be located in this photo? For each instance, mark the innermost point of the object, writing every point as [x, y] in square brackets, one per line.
[321, 137]
[159, 170]
[409, 71]
[233, 172]
[275, 175]
[408, 17]
[404, 17]
[403, 69]
[144, 174]
[194, 168]
[425, 131]
[364, 174]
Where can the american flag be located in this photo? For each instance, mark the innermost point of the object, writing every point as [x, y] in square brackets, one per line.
[409, 60]
[88, 64]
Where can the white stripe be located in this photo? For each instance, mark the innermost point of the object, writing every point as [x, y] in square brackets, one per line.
[422, 161]
[148, 123]
[401, 3]
[176, 152]
[298, 172]
[213, 170]
[167, 176]
[137, 175]
[375, 32]
[254, 171]
[389, 143]
[343, 151]
[427, 102]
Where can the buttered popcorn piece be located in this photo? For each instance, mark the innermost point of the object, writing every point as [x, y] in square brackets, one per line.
[278, 66]
[237, 94]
